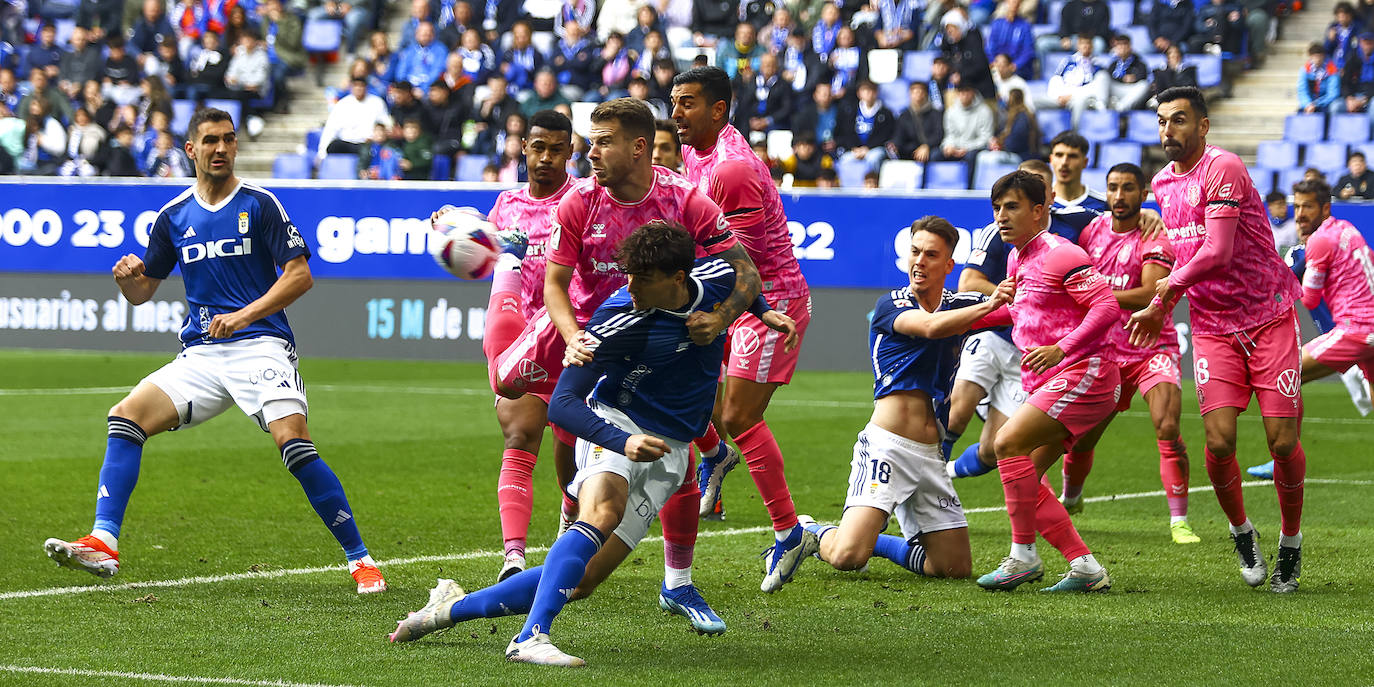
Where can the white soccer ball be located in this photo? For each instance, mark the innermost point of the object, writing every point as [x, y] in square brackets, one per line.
[465, 243]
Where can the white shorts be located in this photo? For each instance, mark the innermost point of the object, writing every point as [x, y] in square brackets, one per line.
[258, 375]
[904, 478]
[650, 483]
[993, 363]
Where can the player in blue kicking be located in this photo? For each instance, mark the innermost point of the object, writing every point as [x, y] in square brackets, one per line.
[898, 468]
[635, 408]
[229, 238]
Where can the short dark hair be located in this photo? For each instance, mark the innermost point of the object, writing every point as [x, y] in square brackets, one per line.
[1189, 93]
[635, 118]
[1274, 197]
[1315, 48]
[657, 246]
[1131, 169]
[1344, 7]
[1354, 155]
[669, 126]
[714, 82]
[1316, 186]
[115, 40]
[1036, 166]
[206, 114]
[1030, 184]
[551, 120]
[1072, 139]
[940, 227]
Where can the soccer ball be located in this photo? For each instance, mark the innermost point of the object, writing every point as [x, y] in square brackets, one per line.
[465, 243]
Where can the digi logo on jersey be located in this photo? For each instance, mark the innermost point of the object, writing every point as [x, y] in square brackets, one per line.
[222, 248]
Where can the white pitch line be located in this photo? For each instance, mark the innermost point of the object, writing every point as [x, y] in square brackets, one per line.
[285, 572]
[1191, 490]
[158, 677]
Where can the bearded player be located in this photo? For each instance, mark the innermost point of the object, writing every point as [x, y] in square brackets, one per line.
[719, 160]
[1241, 299]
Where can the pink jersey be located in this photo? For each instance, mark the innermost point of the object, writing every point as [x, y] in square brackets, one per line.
[590, 224]
[1120, 257]
[1056, 288]
[517, 209]
[1255, 286]
[734, 177]
[1339, 270]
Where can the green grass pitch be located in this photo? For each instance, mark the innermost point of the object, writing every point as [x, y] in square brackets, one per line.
[417, 448]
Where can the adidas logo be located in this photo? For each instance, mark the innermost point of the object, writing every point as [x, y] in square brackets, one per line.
[190, 233]
[103, 493]
[342, 518]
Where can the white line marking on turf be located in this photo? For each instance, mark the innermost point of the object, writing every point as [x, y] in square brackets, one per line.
[158, 677]
[1191, 490]
[285, 572]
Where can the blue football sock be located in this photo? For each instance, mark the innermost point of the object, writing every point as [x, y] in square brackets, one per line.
[326, 494]
[119, 473]
[563, 569]
[968, 464]
[899, 551]
[512, 596]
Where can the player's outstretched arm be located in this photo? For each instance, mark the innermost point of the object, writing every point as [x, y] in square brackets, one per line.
[938, 325]
[705, 327]
[568, 409]
[1151, 224]
[136, 286]
[972, 280]
[784, 325]
[294, 281]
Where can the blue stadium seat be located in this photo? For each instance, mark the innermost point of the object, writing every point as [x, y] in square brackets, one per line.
[1095, 178]
[1304, 128]
[902, 175]
[312, 142]
[1052, 122]
[1350, 127]
[322, 35]
[895, 96]
[916, 64]
[1114, 152]
[181, 115]
[1288, 177]
[1054, 10]
[1140, 37]
[1123, 14]
[851, 172]
[947, 176]
[1326, 155]
[1366, 148]
[1142, 126]
[339, 167]
[1100, 125]
[1153, 60]
[233, 107]
[1263, 178]
[1050, 64]
[290, 166]
[442, 169]
[1208, 69]
[1276, 154]
[470, 167]
[985, 175]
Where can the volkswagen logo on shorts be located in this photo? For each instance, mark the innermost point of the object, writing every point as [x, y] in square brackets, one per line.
[1288, 383]
[1056, 385]
[1161, 363]
[531, 372]
[744, 341]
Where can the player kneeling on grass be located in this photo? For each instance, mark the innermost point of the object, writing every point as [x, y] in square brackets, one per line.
[229, 238]
[635, 407]
[916, 336]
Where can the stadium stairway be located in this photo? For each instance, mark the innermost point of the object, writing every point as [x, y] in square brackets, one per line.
[1264, 96]
[285, 133]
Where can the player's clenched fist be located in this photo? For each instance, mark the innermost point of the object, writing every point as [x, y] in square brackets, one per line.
[643, 448]
[128, 267]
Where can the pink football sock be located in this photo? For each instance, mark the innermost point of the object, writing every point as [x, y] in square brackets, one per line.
[1225, 476]
[1290, 472]
[764, 458]
[1053, 523]
[1019, 484]
[1173, 474]
[1077, 465]
[515, 497]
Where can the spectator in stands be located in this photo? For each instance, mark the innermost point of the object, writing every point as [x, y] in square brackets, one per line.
[1218, 28]
[1078, 83]
[1011, 35]
[84, 141]
[667, 150]
[846, 62]
[1257, 17]
[580, 12]
[939, 84]
[864, 128]
[1282, 221]
[819, 117]
[756, 12]
[403, 104]
[613, 66]
[351, 120]
[871, 180]
[828, 179]
[763, 101]
[1092, 18]
[420, 11]
[151, 29]
[545, 96]
[499, 18]
[356, 19]
[117, 158]
[801, 67]
[1340, 35]
[249, 76]
[422, 62]
[1128, 78]
[153, 97]
[45, 141]
[282, 30]
[166, 160]
[1357, 79]
[417, 151]
[94, 101]
[899, 24]
[206, 68]
[645, 22]
[511, 163]
[9, 91]
[166, 64]
[825, 32]
[379, 159]
[1358, 182]
[1319, 83]
[101, 16]
[1313, 174]
[383, 58]
[79, 65]
[1020, 136]
[121, 73]
[920, 130]
[573, 60]
[455, 19]
[147, 126]
[476, 58]
[655, 48]
[1005, 78]
[638, 89]
[773, 35]
[968, 61]
[1170, 23]
[968, 125]
[45, 55]
[11, 139]
[236, 24]
[741, 53]
[491, 174]
[445, 117]
[522, 60]
[55, 103]
[806, 162]
[492, 113]
[1173, 73]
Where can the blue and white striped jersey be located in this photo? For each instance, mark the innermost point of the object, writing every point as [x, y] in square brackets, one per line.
[228, 254]
[909, 363]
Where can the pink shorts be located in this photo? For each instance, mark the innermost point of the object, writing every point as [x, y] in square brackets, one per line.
[1143, 375]
[1081, 396]
[1340, 348]
[531, 364]
[756, 352]
[1264, 360]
